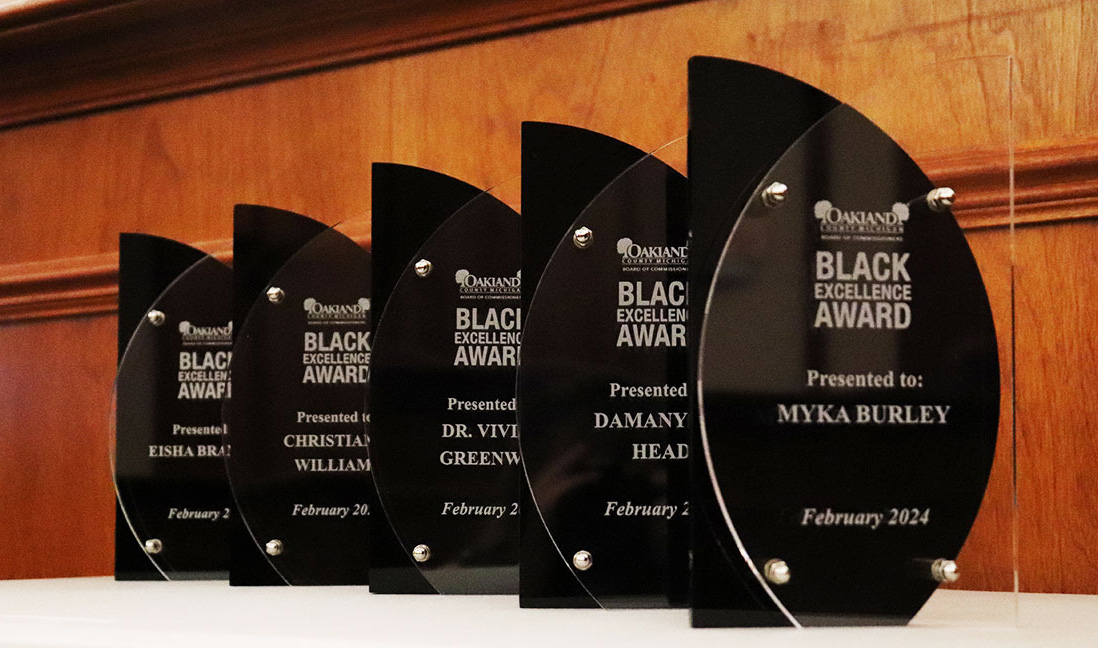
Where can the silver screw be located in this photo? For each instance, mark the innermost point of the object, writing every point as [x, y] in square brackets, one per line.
[155, 317]
[776, 571]
[423, 268]
[940, 199]
[583, 560]
[945, 571]
[275, 295]
[153, 546]
[274, 547]
[583, 237]
[774, 195]
[421, 553]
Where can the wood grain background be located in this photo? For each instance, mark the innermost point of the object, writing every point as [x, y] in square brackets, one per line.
[305, 143]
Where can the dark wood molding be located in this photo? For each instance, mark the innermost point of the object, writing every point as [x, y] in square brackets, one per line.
[67, 57]
[1053, 184]
[58, 288]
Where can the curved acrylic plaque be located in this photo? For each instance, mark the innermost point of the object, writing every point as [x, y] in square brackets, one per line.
[299, 467]
[848, 380]
[166, 432]
[743, 117]
[603, 391]
[443, 436]
[563, 169]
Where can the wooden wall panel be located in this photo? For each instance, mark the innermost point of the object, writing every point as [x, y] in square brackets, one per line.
[176, 169]
[305, 143]
[986, 559]
[56, 511]
[177, 166]
[1057, 360]
[66, 57]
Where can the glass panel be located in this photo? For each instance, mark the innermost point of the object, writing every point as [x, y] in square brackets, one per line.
[602, 388]
[299, 466]
[166, 431]
[963, 140]
[849, 378]
[443, 434]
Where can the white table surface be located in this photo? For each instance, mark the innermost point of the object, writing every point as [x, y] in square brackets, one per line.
[102, 612]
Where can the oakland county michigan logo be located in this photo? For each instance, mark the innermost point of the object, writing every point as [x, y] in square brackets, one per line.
[318, 313]
[470, 286]
[860, 225]
[206, 335]
[642, 258]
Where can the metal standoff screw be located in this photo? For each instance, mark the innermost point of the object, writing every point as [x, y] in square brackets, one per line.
[945, 571]
[153, 546]
[155, 317]
[940, 199]
[423, 268]
[776, 571]
[583, 560]
[275, 295]
[421, 553]
[773, 195]
[274, 547]
[583, 237]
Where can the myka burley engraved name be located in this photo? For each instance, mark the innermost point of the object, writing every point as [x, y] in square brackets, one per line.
[863, 413]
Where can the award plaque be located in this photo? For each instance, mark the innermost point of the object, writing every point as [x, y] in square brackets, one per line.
[847, 376]
[299, 468]
[602, 389]
[174, 339]
[443, 441]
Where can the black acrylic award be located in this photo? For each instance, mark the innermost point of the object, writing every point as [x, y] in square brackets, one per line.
[443, 441]
[847, 377]
[603, 407]
[299, 468]
[174, 338]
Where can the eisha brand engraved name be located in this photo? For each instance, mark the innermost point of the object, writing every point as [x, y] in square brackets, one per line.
[318, 312]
